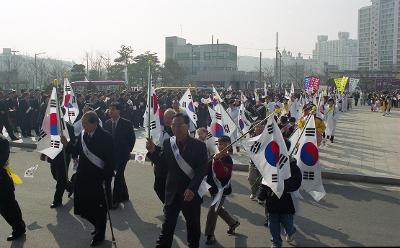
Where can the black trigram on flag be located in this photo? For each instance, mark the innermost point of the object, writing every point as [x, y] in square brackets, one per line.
[274, 178]
[255, 147]
[194, 117]
[310, 131]
[184, 104]
[209, 135]
[153, 125]
[218, 116]
[270, 128]
[53, 103]
[282, 160]
[67, 88]
[71, 113]
[42, 134]
[55, 143]
[308, 175]
[226, 129]
[190, 97]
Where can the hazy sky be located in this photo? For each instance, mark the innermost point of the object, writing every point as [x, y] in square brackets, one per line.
[66, 29]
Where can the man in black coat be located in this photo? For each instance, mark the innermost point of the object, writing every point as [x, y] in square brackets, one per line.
[9, 207]
[4, 117]
[124, 139]
[181, 189]
[96, 165]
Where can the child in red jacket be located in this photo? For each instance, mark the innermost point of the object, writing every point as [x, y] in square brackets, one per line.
[219, 177]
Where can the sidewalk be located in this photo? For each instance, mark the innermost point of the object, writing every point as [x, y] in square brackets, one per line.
[366, 148]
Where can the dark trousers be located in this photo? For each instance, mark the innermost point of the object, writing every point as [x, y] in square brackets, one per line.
[120, 191]
[191, 212]
[5, 122]
[159, 187]
[98, 218]
[59, 171]
[9, 207]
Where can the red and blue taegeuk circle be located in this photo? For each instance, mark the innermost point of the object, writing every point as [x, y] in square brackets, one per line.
[241, 124]
[309, 154]
[190, 106]
[217, 130]
[272, 153]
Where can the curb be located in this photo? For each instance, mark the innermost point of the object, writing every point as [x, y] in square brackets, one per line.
[245, 168]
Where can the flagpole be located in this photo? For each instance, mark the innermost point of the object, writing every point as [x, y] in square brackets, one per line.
[149, 98]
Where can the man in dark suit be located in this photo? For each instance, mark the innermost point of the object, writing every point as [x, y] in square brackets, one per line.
[9, 207]
[181, 190]
[124, 140]
[96, 165]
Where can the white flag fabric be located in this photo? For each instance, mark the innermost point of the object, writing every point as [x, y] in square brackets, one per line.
[256, 97]
[186, 102]
[155, 125]
[269, 153]
[353, 82]
[293, 139]
[53, 125]
[69, 103]
[243, 98]
[221, 122]
[308, 160]
[216, 96]
[265, 90]
[292, 89]
[244, 123]
[287, 94]
[230, 88]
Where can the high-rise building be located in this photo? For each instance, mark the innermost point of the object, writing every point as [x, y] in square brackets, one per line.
[342, 53]
[379, 35]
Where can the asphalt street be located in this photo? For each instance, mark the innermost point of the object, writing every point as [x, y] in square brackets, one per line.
[352, 214]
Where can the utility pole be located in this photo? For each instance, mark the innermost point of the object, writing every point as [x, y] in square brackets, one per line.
[87, 66]
[276, 60]
[35, 81]
[260, 69]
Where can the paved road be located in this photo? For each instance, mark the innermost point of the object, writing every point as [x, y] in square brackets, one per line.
[352, 214]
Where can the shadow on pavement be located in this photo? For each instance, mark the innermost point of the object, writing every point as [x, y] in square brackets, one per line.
[69, 231]
[127, 218]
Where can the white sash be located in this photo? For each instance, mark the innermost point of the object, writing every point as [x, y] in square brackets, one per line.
[217, 198]
[92, 157]
[185, 167]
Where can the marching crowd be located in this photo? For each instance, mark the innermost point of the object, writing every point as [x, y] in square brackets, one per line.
[101, 139]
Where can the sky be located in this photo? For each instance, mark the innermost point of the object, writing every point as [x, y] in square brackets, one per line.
[67, 29]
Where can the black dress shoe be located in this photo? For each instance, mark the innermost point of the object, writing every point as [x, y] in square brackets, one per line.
[96, 241]
[55, 205]
[15, 235]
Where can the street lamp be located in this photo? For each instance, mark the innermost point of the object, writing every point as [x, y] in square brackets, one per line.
[35, 81]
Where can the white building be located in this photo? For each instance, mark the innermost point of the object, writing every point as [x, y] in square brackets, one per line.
[379, 35]
[342, 53]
